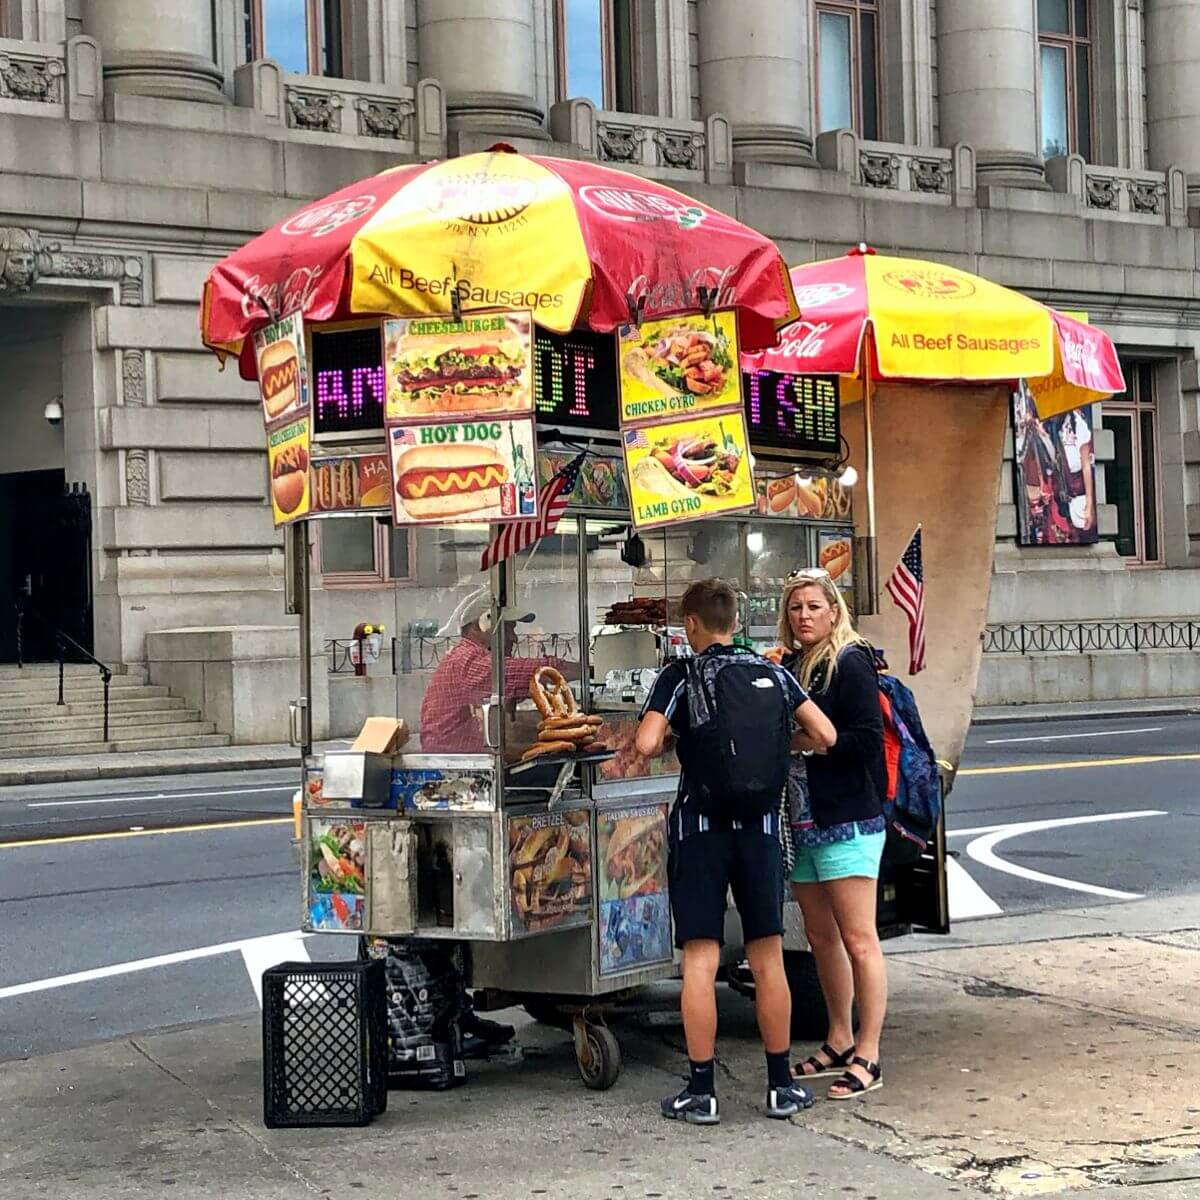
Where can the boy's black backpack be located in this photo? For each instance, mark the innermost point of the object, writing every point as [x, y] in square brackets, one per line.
[739, 734]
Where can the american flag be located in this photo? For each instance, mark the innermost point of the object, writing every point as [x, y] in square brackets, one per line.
[404, 437]
[637, 440]
[552, 503]
[906, 584]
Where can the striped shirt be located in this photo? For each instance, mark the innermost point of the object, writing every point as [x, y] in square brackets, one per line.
[668, 696]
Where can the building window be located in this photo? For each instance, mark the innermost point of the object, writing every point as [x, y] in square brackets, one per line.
[847, 67]
[5, 24]
[1065, 57]
[302, 36]
[595, 46]
[1132, 478]
[361, 550]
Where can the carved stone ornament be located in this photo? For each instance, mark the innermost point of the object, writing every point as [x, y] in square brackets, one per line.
[879, 170]
[680, 149]
[133, 377]
[25, 259]
[313, 111]
[1147, 196]
[390, 120]
[929, 175]
[1101, 192]
[619, 143]
[137, 477]
[36, 80]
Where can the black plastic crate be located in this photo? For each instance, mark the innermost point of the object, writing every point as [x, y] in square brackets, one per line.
[324, 1043]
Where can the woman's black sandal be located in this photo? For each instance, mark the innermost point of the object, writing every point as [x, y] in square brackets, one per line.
[836, 1064]
[852, 1085]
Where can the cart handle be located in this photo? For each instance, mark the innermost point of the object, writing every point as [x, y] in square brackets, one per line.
[489, 706]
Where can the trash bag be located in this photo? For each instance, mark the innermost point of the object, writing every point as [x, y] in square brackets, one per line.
[424, 1011]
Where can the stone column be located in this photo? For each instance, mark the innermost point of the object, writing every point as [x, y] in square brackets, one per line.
[1172, 97]
[754, 69]
[987, 72]
[156, 49]
[482, 53]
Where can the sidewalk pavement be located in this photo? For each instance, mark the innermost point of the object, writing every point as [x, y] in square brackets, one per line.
[1023, 1056]
[74, 767]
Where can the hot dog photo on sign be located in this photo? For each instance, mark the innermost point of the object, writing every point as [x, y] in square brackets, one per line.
[835, 552]
[282, 370]
[463, 471]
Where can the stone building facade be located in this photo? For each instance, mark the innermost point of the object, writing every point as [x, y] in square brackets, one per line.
[1051, 145]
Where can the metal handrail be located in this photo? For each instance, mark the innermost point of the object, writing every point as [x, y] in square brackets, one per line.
[1086, 637]
[61, 641]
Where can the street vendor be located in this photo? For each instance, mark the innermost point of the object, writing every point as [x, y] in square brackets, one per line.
[462, 681]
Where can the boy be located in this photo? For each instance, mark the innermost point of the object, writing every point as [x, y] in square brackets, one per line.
[710, 856]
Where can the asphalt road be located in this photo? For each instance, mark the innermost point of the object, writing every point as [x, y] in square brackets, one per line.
[100, 882]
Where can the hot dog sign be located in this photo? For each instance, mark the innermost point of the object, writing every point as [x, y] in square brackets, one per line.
[463, 471]
[282, 370]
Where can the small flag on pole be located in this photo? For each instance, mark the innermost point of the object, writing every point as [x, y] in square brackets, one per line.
[552, 503]
[906, 585]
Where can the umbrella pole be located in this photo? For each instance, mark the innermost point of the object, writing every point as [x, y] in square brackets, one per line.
[871, 556]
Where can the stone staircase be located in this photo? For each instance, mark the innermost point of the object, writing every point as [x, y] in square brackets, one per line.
[141, 716]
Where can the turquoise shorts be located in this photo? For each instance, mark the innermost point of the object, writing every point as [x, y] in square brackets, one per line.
[839, 860]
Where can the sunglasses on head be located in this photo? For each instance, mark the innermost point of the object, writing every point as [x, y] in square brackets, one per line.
[813, 573]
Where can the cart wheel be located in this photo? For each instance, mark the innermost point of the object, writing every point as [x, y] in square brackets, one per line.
[599, 1060]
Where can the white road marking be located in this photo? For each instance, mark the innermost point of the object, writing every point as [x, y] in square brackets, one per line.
[262, 953]
[245, 791]
[967, 898]
[982, 850]
[1070, 737]
[141, 964]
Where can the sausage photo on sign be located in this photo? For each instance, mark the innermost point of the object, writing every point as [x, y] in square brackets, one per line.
[279, 377]
[289, 476]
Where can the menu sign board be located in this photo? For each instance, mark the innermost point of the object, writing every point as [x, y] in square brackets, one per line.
[282, 370]
[549, 869]
[287, 468]
[448, 370]
[793, 412]
[337, 879]
[686, 470]
[631, 860]
[600, 484]
[352, 483]
[462, 471]
[678, 367]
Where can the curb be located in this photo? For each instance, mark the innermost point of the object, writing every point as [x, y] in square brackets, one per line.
[1025, 714]
[121, 768]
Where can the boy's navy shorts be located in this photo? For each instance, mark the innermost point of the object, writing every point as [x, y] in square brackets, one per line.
[705, 867]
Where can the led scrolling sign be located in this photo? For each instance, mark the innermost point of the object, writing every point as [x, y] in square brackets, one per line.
[575, 387]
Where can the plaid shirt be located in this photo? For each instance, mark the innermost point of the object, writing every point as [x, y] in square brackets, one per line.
[460, 684]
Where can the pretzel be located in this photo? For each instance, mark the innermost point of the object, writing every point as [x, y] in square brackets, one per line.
[570, 733]
[540, 748]
[554, 697]
[553, 724]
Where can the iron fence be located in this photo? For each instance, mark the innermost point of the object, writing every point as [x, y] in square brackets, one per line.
[419, 652]
[1086, 637]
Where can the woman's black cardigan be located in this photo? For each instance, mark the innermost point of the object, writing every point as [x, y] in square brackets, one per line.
[848, 782]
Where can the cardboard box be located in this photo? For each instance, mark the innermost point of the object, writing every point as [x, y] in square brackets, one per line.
[381, 735]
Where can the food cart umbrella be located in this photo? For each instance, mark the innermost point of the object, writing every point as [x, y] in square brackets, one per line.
[874, 317]
[572, 241]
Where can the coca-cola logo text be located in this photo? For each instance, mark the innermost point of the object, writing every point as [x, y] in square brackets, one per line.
[290, 295]
[813, 295]
[671, 295]
[325, 218]
[803, 339]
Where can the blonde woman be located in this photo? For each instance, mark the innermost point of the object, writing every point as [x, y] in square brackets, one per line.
[838, 827]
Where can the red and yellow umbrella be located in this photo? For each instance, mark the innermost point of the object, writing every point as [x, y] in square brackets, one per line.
[571, 241]
[871, 316]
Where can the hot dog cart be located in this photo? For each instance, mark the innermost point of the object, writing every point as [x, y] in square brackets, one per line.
[552, 872]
